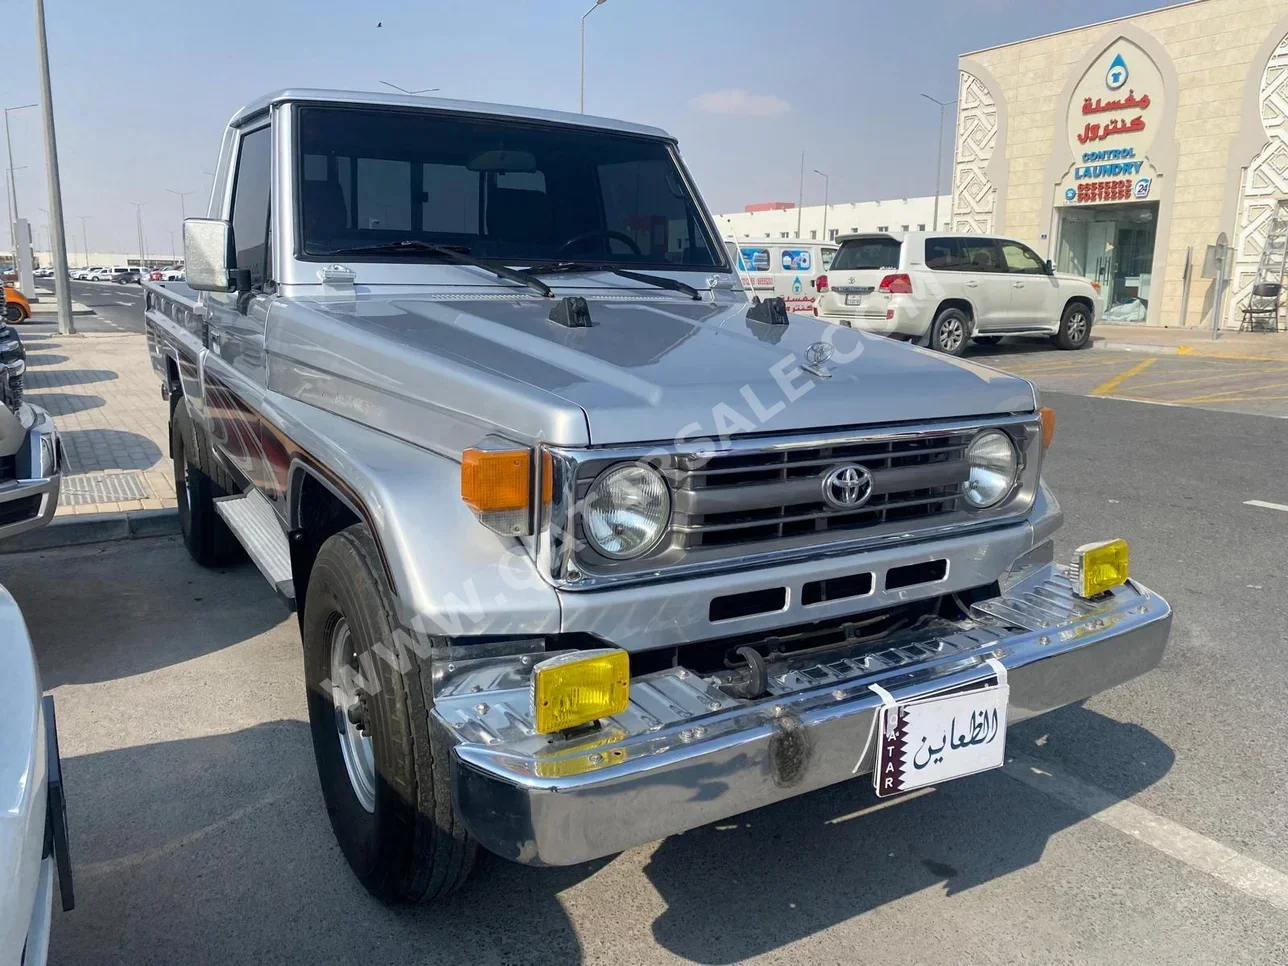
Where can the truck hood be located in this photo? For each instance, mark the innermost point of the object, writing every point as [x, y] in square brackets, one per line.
[655, 368]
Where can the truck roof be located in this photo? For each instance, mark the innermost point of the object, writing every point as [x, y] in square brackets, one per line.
[310, 95]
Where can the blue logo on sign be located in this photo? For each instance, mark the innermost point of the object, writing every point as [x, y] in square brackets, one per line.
[1142, 188]
[796, 285]
[1117, 75]
[1070, 194]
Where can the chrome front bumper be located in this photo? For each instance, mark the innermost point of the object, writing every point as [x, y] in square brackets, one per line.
[30, 500]
[684, 753]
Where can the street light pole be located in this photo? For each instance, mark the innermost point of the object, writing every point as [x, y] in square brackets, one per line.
[939, 152]
[138, 220]
[827, 186]
[85, 237]
[10, 186]
[581, 104]
[59, 242]
[183, 208]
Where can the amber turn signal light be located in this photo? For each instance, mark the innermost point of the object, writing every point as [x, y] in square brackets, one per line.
[1048, 427]
[497, 485]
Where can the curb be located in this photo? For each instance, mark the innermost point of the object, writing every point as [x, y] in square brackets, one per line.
[95, 528]
[1190, 349]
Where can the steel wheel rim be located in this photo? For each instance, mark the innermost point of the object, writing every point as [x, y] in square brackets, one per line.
[951, 334]
[357, 749]
[1077, 326]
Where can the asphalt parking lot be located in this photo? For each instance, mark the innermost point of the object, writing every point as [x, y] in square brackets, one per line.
[1249, 386]
[1146, 825]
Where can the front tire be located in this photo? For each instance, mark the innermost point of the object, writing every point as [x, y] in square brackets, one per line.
[950, 332]
[1075, 327]
[208, 539]
[13, 312]
[383, 765]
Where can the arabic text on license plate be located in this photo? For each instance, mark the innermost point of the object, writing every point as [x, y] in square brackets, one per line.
[854, 300]
[928, 741]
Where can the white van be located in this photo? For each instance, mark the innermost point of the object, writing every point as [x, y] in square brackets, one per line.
[785, 268]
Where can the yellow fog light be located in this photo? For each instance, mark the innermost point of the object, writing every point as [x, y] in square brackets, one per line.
[1098, 567]
[574, 689]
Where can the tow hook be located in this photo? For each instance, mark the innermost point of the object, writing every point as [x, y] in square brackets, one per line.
[757, 681]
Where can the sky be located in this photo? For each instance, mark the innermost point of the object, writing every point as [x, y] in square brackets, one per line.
[141, 94]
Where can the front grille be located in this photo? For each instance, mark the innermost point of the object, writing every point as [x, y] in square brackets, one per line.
[750, 498]
[763, 497]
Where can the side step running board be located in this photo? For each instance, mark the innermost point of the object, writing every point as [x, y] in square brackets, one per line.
[254, 522]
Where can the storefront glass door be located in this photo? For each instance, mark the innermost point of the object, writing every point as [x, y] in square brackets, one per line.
[1113, 246]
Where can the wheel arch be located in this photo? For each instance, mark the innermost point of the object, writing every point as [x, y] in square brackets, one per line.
[1084, 300]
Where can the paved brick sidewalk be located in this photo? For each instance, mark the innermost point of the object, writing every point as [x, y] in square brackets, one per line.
[107, 403]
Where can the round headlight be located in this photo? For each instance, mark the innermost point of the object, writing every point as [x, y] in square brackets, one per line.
[993, 468]
[626, 510]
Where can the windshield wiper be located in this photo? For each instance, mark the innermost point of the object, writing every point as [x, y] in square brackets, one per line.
[458, 254]
[660, 281]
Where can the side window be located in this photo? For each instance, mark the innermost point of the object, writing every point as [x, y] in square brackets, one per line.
[251, 204]
[827, 254]
[943, 254]
[1021, 260]
[979, 255]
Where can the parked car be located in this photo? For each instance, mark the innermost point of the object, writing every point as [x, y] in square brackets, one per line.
[34, 847]
[16, 307]
[527, 624]
[943, 290]
[31, 454]
[173, 275]
[156, 275]
[787, 269]
[102, 274]
[126, 276]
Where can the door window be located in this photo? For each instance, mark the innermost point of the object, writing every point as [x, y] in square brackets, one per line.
[979, 255]
[944, 255]
[251, 204]
[1021, 260]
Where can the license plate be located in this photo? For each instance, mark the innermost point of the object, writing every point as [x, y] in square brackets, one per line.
[854, 300]
[931, 740]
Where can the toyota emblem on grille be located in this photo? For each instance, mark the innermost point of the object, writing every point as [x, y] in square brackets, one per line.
[847, 487]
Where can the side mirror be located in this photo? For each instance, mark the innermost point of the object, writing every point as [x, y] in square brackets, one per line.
[207, 244]
[1050, 267]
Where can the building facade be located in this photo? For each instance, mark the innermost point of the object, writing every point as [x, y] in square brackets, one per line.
[1123, 150]
[780, 219]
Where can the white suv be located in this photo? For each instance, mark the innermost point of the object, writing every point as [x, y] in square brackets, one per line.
[943, 290]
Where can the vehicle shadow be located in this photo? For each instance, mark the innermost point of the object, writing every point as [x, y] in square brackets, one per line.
[90, 450]
[115, 610]
[218, 849]
[64, 403]
[62, 378]
[748, 886]
[45, 358]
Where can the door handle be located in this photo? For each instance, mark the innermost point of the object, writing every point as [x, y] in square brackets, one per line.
[972, 284]
[1019, 284]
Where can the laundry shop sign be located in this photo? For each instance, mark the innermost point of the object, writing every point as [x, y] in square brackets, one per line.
[1111, 121]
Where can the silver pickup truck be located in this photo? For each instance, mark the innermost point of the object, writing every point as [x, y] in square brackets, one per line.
[587, 548]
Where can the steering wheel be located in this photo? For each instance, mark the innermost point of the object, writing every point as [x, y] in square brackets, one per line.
[602, 233]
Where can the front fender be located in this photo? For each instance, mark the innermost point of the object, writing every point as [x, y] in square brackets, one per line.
[451, 575]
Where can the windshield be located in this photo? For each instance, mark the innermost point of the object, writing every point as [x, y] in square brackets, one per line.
[497, 189]
[868, 253]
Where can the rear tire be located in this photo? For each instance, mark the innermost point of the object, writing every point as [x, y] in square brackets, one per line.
[1075, 327]
[208, 539]
[950, 332]
[13, 312]
[386, 776]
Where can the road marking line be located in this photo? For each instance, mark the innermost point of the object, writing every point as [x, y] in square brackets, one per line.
[1266, 506]
[1249, 876]
[1069, 364]
[1216, 375]
[1109, 385]
[1236, 394]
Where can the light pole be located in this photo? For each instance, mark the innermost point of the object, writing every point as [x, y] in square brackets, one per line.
[800, 197]
[59, 242]
[582, 102]
[138, 220]
[939, 151]
[11, 187]
[403, 90]
[827, 185]
[85, 237]
[173, 257]
[183, 208]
